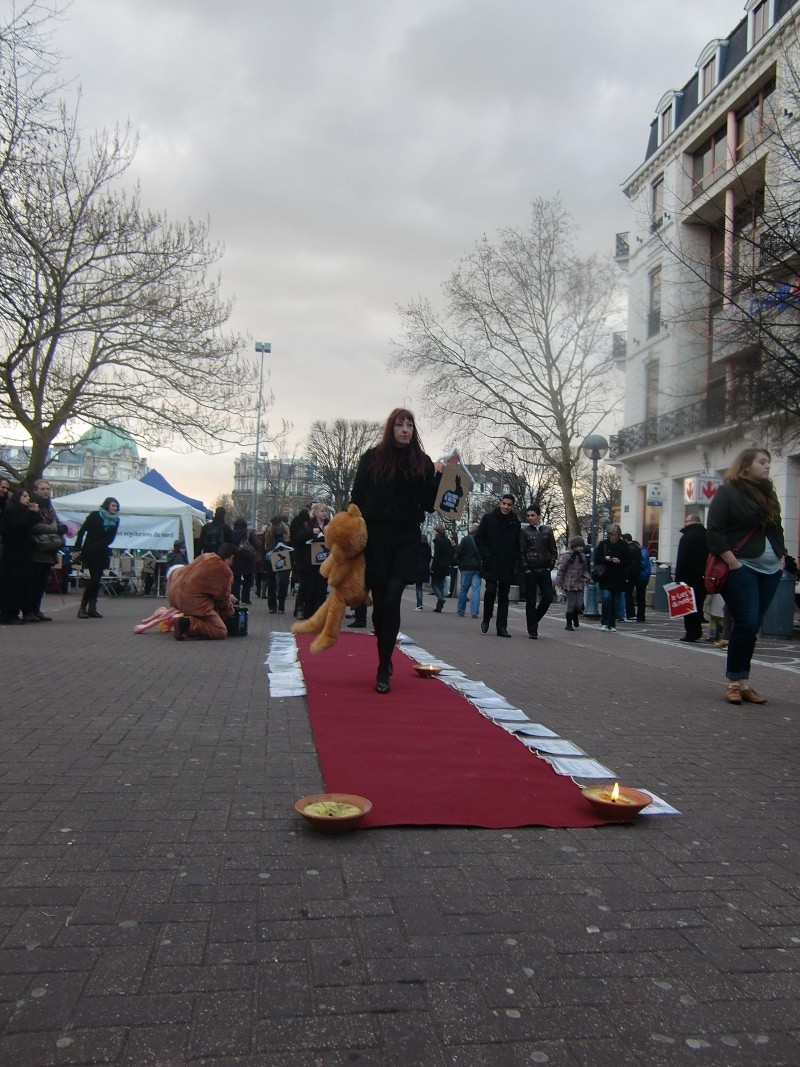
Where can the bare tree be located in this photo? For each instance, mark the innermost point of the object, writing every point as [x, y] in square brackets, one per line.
[520, 349]
[109, 314]
[335, 448]
[531, 481]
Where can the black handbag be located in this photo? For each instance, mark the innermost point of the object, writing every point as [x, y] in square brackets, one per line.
[599, 572]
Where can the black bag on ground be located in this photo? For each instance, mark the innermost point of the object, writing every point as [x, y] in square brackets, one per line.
[236, 624]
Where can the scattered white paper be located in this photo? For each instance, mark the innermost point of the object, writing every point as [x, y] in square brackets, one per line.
[577, 767]
[658, 807]
[553, 746]
[531, 729]
[508, 714]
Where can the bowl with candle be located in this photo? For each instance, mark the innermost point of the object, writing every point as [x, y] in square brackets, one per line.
[618, 802]
[427, 670]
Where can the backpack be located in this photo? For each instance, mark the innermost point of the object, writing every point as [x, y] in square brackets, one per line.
[245, 551]
[646, 569]
[214, 538]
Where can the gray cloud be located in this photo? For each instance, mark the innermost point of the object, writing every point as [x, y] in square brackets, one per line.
[348, 153]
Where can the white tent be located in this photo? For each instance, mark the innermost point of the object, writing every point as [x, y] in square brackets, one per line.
[149, 519]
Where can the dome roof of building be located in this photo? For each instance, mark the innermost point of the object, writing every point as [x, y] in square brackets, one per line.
[100, 439]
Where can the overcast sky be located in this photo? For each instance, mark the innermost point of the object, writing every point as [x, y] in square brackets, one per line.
[348, 152]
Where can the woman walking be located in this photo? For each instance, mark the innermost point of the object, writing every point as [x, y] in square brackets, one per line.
[92, 545]
[572, 579]
[394, 486]
[744, 528]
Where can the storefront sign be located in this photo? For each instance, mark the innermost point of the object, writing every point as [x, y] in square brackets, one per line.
[700, 489]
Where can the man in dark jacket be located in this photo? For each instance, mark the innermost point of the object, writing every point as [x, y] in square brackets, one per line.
[689, 568]
[43, 559]
[440, 564]
[216, 533]
[537, 545]
[497, 539]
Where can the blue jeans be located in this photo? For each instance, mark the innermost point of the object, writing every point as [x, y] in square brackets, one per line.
[470, 580]
[747, 594]
[609, 599]
[437, 586]
[418, 586]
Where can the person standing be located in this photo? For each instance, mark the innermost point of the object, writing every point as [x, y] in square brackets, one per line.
[244, 562]
[44, 559]
[572, 578]
[537, 545]
[20, 516]
[276, 583]
[612, 556]
[395, 485]
[642, 580]
[452, 588]
[93, 546]
[744, 528]
[440, 565]
[469, 563]
[497, 540]
[5, 495]
[423, 575]
[690, 566]
[301, 559]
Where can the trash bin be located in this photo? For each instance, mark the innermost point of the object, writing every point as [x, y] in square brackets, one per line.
[663, 577]
[779, 617]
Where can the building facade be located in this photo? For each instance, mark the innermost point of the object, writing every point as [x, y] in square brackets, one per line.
[703, 207]
[100, 457]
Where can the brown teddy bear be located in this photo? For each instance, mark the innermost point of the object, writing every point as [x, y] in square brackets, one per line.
[346, 537]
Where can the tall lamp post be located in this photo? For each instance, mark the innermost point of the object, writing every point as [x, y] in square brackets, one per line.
[594, 448]
[264, 348]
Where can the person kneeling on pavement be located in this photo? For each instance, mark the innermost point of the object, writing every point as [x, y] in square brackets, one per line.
[201, 591]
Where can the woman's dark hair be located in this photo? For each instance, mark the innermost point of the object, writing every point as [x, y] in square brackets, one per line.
[761, 491]
[389, 458]
[226, 551]
[16, 496]
[109, 500]
[241, 522]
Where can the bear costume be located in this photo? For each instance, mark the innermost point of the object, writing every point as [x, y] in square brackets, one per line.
[201, 592]
[346, 538]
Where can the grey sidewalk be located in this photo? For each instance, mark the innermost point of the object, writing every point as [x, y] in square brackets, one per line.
[161, 904]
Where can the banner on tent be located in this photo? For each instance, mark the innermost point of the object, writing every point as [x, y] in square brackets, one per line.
[135, 531]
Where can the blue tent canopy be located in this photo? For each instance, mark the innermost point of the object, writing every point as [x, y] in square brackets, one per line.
[158, 481]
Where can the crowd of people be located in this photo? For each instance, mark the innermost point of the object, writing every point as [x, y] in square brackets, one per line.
[395, 487]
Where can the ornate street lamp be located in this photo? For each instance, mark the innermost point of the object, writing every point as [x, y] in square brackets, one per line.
[595, 448]
[264, 348]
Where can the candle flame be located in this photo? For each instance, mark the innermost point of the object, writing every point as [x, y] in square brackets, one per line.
[615, 792]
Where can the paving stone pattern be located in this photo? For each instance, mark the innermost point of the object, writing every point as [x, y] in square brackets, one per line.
[160, 903]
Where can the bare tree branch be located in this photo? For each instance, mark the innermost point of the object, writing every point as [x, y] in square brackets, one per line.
[520, 353]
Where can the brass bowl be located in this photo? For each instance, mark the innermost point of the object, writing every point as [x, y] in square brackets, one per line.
[427, 670]
[333, 824]
[624, 809]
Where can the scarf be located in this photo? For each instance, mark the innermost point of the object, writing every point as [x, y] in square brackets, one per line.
[762, 493]
[110, 522]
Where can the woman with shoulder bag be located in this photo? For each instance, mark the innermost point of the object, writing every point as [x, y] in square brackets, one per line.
[745, 514]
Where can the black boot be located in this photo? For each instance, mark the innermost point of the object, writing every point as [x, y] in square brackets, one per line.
[382, 680]
[82, 612]
[91, 610]
[575, 619]
[570, 617]
[439, 604]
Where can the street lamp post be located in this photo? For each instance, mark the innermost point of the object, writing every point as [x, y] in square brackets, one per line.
[264, 348]
[594, 448]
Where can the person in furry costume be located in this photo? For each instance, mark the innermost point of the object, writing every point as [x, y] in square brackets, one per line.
[201, 592]
[346, 537]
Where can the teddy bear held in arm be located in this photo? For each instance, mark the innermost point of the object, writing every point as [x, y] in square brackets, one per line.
[346, 537]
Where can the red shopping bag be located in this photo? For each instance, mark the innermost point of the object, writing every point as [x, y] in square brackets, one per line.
[680, 600]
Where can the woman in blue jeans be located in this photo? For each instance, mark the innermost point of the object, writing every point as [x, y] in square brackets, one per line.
[744, 528]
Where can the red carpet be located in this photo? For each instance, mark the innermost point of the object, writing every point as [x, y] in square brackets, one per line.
[423, 754]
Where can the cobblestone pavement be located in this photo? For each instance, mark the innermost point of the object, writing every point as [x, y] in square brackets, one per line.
[160, 903]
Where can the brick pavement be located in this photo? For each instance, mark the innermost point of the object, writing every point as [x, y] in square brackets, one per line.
[161, 904]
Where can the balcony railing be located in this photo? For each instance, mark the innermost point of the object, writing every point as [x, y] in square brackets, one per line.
[716, 409]
[622, 250]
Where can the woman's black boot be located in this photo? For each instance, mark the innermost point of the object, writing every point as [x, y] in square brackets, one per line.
[382, 680]
[91, 610]
[82, 612]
